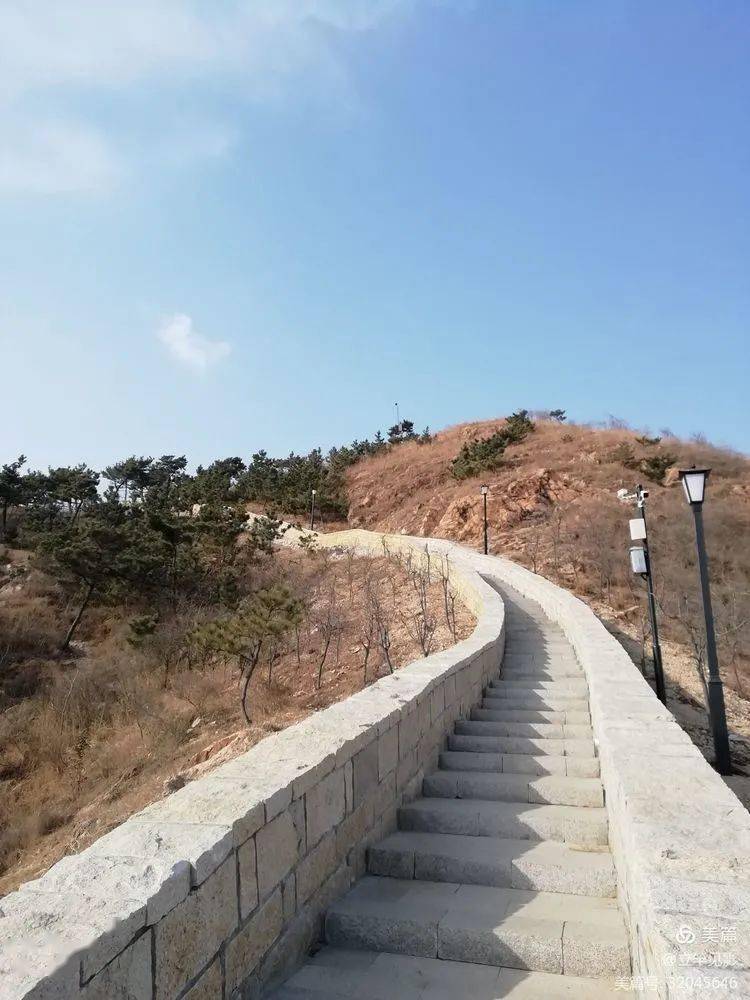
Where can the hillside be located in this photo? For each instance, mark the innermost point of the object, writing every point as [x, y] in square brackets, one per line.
[557, 467]
[552, 506]
[169, 674]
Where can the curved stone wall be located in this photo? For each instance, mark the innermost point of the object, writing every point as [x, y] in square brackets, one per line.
[218, 890]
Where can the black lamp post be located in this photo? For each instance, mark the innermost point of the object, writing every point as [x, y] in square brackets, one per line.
[485, 491]
[694, 483]
[312, 511]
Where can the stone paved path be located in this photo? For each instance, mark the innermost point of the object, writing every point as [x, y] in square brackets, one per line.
[499, 881]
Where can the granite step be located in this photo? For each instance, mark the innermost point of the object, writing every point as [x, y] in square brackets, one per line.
[529, 698]
[547, 789]
[544, 730]
[534, 646]
[523, 665]
[520, 745]
[340, 974]
[505, 928]
[537, 671]
[536, 764]
[538, 696]
[570, 687]
[583, 826]
[543, 866]
[498, 712]
[534, 649]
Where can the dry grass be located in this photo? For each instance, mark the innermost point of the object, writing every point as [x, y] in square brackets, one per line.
[102, 734]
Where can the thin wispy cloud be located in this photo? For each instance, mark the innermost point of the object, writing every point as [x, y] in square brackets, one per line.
[55, 54]
[188, 347]
[56, 157]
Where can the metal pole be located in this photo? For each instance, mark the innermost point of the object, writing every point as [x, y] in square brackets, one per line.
[661, 688]
[485, 523]
[312, 512]
[716, 708]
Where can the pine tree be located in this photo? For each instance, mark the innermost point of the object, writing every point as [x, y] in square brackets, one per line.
[11, 488]
[259, 624]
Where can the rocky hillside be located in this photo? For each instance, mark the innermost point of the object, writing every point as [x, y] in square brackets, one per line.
[559, 467]
[553, 506]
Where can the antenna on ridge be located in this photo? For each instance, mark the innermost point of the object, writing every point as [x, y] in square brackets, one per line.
[398, 420]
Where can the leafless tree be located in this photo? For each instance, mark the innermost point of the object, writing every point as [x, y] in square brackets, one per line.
[556, 530]
[382, 629]
[685, 614]
[733, 624]
[367, 628]
[533, 546]
[392, 565]
[351, 563]
[428, 563]
[604, 557]
[328, 626]
[421, 624]
[449, 597]
[296, 644]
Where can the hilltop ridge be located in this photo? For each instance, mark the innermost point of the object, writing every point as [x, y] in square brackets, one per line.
[410, 488]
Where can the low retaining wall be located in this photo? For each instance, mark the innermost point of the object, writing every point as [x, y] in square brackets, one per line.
[218, 890]
[679, 836]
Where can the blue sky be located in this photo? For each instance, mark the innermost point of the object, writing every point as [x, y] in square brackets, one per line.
[234, 225]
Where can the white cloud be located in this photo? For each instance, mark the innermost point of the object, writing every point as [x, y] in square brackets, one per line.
[189, 347]
[54, 53]
[55, 157]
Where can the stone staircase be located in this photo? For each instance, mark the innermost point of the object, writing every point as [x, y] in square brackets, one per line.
[499, 881]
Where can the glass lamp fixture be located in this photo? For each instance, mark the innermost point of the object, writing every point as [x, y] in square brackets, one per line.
[694, 484]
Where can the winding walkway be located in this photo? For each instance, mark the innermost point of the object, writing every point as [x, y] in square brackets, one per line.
[499, 881]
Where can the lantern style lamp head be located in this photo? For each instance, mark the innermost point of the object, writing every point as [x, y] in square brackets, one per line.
[694, 484]
[313, 492]
[485, 490]
[638, 560]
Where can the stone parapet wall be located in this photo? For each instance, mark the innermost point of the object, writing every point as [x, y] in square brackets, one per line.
[679, 836]
[218, 891]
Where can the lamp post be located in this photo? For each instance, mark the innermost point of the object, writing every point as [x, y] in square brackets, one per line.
[640, 563]
[485, 491]
[694, 484]
[312, 511]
